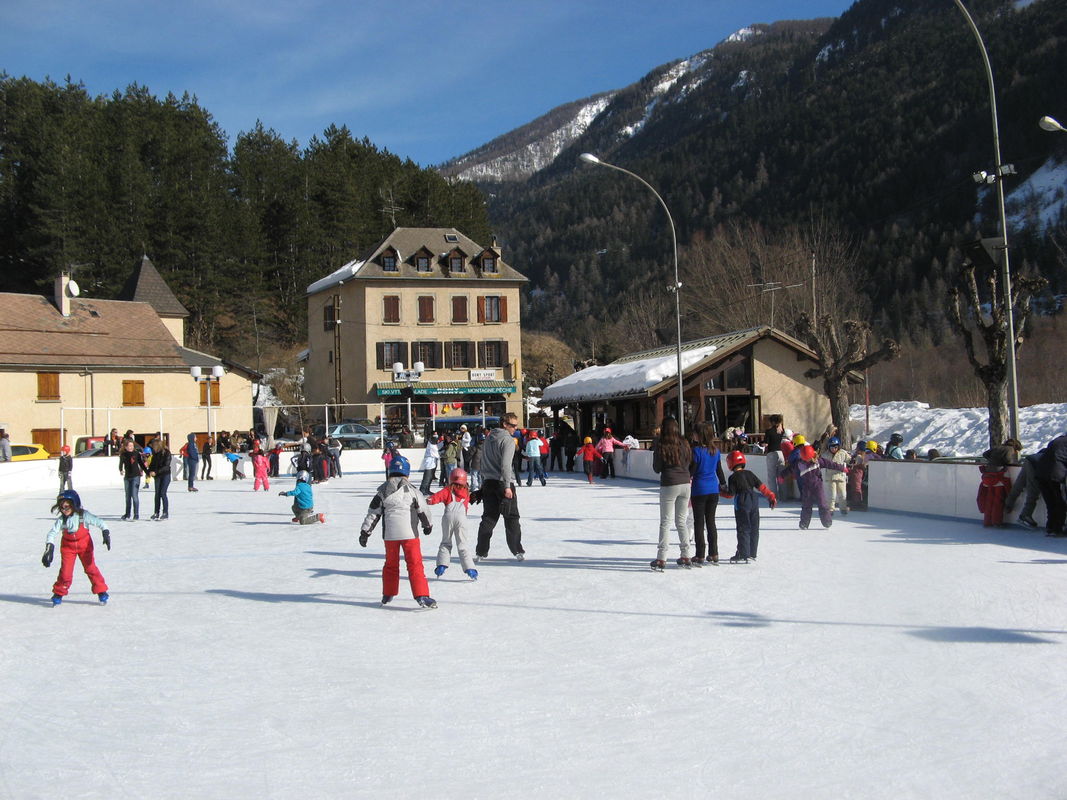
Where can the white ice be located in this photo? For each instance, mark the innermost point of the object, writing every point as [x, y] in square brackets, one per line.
[245, 657]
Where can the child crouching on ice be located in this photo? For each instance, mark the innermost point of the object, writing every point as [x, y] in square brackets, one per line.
[745, 487]
[74, 522]
[304, 501]
[399, 505]
[809, 469]
[456, 497]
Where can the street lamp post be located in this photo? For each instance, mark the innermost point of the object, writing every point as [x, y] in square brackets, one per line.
[411, 376]
[215, 376]
[1051, 125]
[1000, 170]
[676, 288]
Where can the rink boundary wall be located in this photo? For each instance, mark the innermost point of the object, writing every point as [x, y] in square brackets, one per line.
[915, 487]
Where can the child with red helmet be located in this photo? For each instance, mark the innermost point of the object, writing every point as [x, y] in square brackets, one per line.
[744, 486]
[809, 479]
[456, 497]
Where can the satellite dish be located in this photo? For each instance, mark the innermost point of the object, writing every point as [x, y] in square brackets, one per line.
[73, 289]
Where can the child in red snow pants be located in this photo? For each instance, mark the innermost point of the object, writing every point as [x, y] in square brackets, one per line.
[413, 560]
[996, 483]
[74, 546]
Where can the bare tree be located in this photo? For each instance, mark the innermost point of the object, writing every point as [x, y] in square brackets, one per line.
[970, 313]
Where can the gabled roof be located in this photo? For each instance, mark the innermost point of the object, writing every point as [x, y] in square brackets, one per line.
[647, 372]
[407, 242]
[146, 285]
[98, 333]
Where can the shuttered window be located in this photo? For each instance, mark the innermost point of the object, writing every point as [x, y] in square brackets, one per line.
[391, 309]
[426, 308]
[389, 353]
[431, 354]
[493, 308]
[460, 313]
[133, 393]
[213, 387]
[48, 386]
[459, 355]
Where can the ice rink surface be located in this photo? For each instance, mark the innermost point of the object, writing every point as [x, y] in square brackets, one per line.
[242, 656]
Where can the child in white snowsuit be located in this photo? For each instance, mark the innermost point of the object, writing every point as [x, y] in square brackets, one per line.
[401, 509]
[838, 479]
[456, 497]
[73, 523]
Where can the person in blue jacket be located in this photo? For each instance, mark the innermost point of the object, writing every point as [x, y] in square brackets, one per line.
[708, 480]
[303, 500]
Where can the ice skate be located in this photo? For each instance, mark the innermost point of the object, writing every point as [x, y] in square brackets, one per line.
[56, 599]
[103, 598]
[426, 602]
[472, 574]
[439, 570]
[658, 565]
[685, 563]
[386, 598]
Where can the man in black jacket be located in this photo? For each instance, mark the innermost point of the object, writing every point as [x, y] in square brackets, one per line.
[1050, 472]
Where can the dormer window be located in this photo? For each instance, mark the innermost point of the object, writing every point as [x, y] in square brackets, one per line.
[456, 262]
[422, 263]
[489, 264]
[389, 261]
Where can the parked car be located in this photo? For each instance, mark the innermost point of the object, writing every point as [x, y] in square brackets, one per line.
[347, 433]
[96, 450]
[28, 452]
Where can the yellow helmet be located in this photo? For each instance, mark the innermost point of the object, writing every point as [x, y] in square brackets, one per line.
[872, 445]
[587, 440]
[799, 440]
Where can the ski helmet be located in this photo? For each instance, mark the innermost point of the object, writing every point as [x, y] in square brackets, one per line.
[399, 466]
[735, 459]
[807, 453]
[458, 476]
[587, 440]
[65, 449]
[303, 475]
[834, 442]
[872, 445]
[72, 496]
[799, 440]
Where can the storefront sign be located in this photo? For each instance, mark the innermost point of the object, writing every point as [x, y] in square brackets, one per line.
[483, 375]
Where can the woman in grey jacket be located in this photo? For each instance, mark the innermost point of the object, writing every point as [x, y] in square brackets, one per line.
[673, 461]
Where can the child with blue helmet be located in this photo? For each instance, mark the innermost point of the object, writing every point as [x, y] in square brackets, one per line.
[401, 508]
[73, 523]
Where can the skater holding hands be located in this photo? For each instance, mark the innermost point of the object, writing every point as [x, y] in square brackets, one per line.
[401, 509]
[73, 523]
[745, 487]
[456, 497]
[589, 456]
[809, 478]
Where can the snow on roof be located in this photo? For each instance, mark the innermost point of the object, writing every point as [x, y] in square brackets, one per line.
[623, 377]
[337, 276]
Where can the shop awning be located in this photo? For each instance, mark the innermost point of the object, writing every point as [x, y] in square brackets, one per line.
[396, 388]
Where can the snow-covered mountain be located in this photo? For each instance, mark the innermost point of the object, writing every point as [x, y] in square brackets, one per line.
[526, 150]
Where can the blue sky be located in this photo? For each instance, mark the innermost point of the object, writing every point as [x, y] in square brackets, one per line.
[427, 80]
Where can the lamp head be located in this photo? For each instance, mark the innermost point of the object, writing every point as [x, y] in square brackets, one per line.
[1049, 124]
[195, 372]
[589, 158]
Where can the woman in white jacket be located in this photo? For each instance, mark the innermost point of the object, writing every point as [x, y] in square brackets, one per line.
[430, 458]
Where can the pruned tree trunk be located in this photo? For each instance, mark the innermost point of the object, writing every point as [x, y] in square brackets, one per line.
[989, 320]
[841, 349]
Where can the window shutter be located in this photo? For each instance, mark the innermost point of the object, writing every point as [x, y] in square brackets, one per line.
[379, 348]
[481, 354]
[133, 393]
[213, 386]
[403, 355]
[426, 309]
[48, 386]
[503, 308]
[472, 356]
[448, 355]
[481, 310]
[391, 308]
[459, 309]
[504, 360]
[438, 353]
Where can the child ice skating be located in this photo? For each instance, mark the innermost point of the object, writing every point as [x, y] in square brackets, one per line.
[260, 468]
[401, 509]
[303, 500]
[456, 497]
[235, 463]
[66, 465]
[589, 455]
[73, 523]
[809, 469]
[745, 487]
[838, 479]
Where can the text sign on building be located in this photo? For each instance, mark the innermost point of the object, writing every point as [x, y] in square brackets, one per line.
[483, 375]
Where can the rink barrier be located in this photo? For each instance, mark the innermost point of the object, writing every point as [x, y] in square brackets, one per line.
[915, 487]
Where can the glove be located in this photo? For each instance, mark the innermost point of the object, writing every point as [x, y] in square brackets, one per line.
[773, 502]
[363, 537]
[49, 553]
[281, 494]
[107, 539]
[426, 531]
[476, 496]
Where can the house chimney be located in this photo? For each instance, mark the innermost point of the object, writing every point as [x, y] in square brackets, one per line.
[498, 248]
[63, 293]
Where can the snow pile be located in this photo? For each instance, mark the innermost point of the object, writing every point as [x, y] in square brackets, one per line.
[955, 431]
